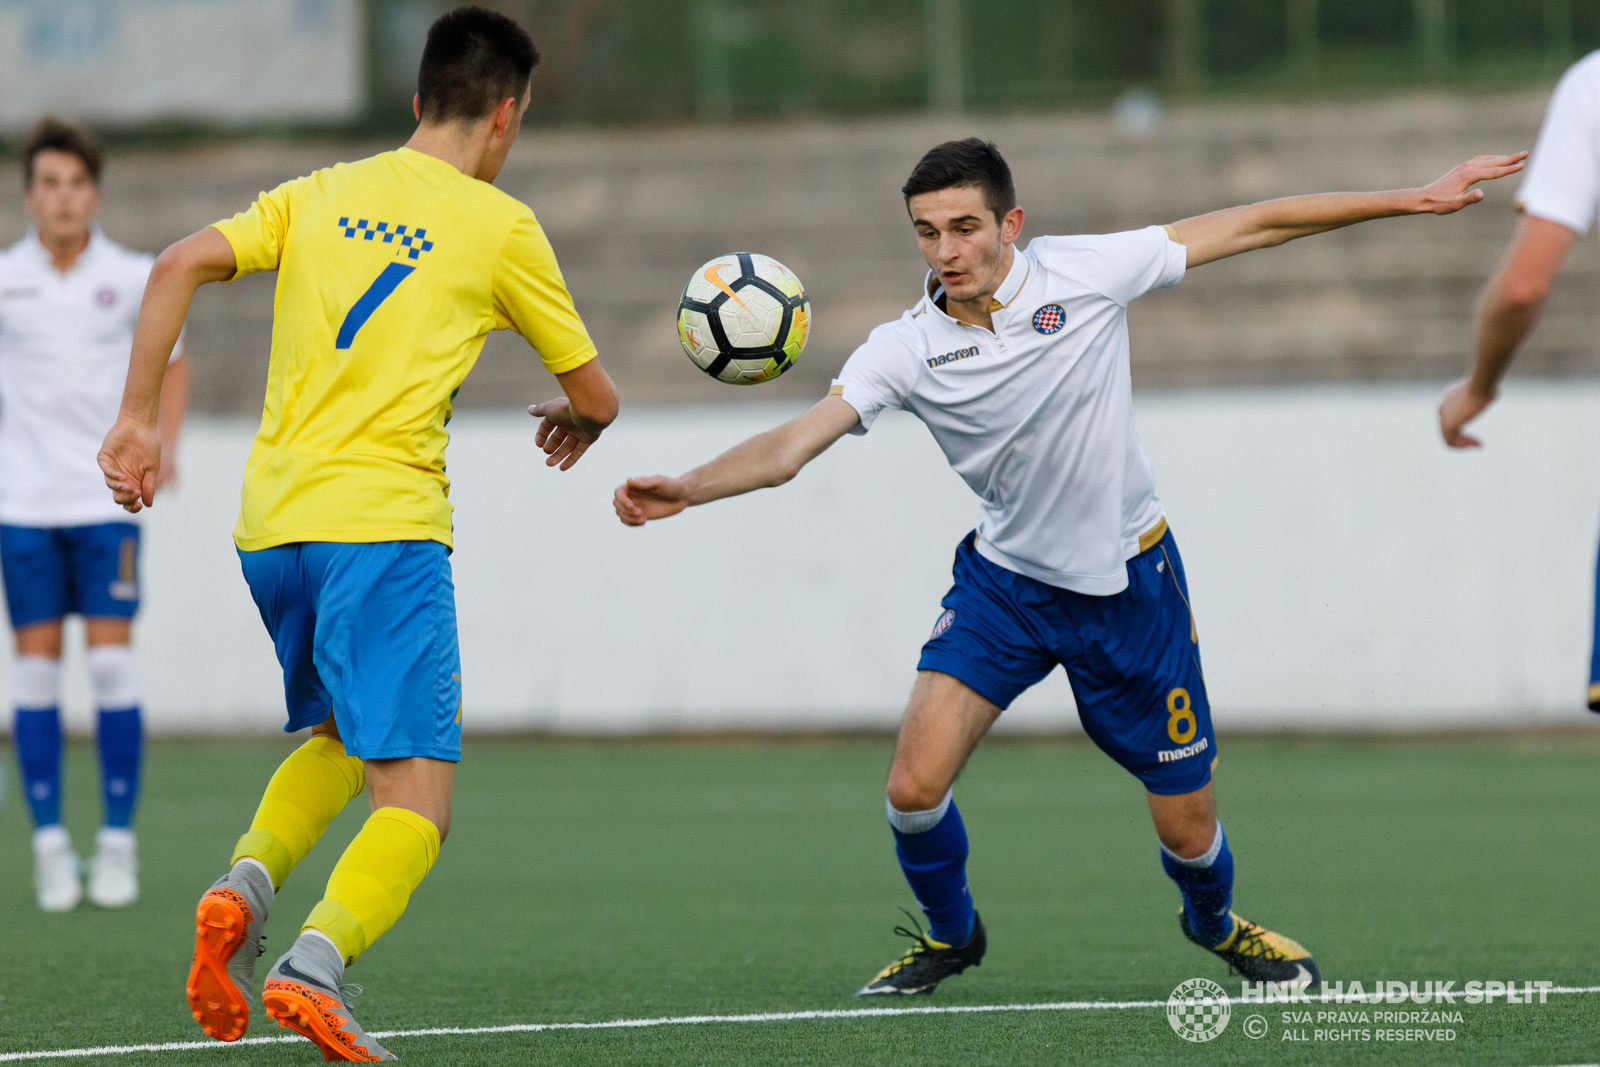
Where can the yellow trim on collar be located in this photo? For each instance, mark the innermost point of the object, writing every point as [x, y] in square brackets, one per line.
[1152, 537]
[995, 305]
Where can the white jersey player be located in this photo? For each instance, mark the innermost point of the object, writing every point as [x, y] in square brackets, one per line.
[1017, 362]
[69, 298]
[1558, 199]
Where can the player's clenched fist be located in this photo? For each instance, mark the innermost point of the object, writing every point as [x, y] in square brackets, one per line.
[130, 459]
[638, 500]
[1459, 406]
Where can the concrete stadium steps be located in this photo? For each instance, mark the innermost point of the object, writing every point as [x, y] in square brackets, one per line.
[632, 212]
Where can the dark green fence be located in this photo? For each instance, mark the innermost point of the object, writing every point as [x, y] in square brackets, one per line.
[653, 60]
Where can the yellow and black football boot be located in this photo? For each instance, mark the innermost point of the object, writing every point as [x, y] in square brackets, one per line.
[927, 963]
[1259, 954]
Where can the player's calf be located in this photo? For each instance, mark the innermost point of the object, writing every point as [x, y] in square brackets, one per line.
[1207, 919]
[227, 942]
[1206, 883]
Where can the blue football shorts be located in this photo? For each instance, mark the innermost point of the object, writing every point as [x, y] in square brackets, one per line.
[51, 571]
[1133, 658]
[366, 633]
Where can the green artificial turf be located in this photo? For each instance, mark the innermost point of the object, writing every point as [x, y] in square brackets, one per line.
[610, 880]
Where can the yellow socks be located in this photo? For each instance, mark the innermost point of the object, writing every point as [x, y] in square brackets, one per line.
[308, 790]
[374, 879]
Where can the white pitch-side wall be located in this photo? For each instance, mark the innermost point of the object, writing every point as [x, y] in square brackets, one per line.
[1348, 571]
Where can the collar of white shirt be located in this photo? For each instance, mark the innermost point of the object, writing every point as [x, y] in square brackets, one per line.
[35, 248]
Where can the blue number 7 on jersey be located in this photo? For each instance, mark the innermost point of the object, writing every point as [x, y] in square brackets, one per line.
[376, 293]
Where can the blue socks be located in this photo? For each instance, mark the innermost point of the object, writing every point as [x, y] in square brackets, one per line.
[932, 846]
[119, 736]
[120, 741]
[37, 732]
[1206, 883]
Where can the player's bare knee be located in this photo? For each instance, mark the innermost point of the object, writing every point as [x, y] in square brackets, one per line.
[907, 792]
[1191, 843]
[1189, 831]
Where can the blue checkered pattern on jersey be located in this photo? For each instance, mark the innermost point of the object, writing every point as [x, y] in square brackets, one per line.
[416, 240]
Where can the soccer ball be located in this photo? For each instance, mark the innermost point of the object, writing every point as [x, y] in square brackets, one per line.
[744, 318]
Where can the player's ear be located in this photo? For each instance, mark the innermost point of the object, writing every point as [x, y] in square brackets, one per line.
[1011, 225]
[507, 114]
[416, 105]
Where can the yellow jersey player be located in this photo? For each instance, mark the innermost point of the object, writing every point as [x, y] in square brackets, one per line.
[391, 272]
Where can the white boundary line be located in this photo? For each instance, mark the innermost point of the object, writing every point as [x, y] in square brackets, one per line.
[624, 1024]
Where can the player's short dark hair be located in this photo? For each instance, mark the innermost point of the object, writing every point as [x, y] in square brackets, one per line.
[53, 135]
[473, 60]
[970, 164]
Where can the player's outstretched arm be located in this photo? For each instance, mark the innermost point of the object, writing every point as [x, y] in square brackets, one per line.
[1272, 222]
[1511, 305]
[765, 460]
[130, 458]
[570, 424]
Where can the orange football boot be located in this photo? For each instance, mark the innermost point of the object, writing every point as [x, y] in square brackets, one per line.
[314, 1005]
[222, 925]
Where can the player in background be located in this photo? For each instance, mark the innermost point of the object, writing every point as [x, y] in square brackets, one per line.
[69, 297]
[1557, 200]
[391, 272]
[1017, 362]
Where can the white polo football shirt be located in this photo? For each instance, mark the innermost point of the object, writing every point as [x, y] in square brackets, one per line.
[1562, 183]
[64, 346]
[1037, 416]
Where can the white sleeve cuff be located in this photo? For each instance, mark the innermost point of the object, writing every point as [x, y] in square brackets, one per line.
[1177, 262]
[1571, 216]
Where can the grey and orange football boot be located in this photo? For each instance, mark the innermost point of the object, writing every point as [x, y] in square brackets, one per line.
[227, 941]
[303, 992]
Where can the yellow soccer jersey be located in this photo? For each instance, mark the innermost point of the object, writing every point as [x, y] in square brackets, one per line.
[391, 272]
